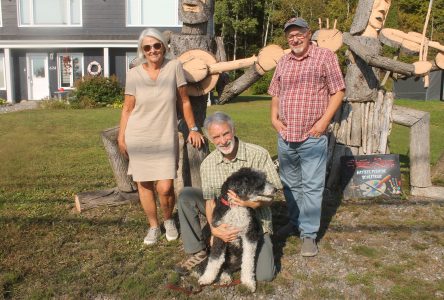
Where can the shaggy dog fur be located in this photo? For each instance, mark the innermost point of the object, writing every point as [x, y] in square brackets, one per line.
[249, 185]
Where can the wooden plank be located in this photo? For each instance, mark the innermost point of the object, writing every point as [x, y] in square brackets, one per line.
[119, 163]
[434, 192]
[406, 116]
[356, 124]
[385, 126]
[376, 122]
[371, 107]
[420, 153]
[110, 197]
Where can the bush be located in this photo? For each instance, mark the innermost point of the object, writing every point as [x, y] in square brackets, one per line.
[96, 91]
[54, 104]
[261, 86]
[2, 101]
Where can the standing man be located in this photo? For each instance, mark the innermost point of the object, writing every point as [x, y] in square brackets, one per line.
[307, 88]
[230, 155]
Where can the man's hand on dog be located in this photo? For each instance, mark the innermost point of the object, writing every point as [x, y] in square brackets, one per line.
[234, 199]
[225, 232]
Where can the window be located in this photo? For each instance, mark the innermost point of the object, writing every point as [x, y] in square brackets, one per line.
[70, 69]
[130, 56]
[150, 13]
[50, 12]
[2, 72]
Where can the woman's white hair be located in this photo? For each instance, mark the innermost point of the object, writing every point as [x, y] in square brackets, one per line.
[154, 33]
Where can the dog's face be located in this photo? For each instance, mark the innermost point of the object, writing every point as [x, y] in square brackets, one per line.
[249, 185]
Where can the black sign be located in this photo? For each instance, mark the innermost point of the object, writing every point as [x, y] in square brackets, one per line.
[367, 176]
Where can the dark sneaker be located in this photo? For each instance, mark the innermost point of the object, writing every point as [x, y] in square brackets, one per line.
[286, 231]
[185, 266]
[309, 247]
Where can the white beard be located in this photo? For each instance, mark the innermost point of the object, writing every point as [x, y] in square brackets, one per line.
[229, 147]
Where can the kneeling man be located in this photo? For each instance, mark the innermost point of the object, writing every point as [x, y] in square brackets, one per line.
[230, 155]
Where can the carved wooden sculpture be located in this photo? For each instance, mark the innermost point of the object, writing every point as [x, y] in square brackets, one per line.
[195, 15]
[363, 124]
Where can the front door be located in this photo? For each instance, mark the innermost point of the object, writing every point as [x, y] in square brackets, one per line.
[38, 81]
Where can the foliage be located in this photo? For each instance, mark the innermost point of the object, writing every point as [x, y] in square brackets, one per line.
[54, 104]
[2, 101]
[237, 21]
[96, 91]
[266, 18]
[261, 86]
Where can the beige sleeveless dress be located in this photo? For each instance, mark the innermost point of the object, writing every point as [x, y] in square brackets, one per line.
[151, 132]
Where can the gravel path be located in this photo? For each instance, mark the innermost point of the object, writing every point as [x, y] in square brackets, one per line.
[22, 105]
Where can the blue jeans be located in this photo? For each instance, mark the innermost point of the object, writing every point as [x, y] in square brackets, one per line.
[302, 167]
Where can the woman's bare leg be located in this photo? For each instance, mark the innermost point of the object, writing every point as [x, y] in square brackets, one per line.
[148, 201]
[167, 199]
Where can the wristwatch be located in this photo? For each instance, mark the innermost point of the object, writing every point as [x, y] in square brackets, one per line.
[194, 128]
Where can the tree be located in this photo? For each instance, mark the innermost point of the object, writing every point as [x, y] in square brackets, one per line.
[237, 22]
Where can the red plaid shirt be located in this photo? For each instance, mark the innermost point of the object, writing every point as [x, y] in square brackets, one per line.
[304, 87]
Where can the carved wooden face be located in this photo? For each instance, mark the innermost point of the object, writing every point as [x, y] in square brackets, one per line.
[194, 11]
[377, 17]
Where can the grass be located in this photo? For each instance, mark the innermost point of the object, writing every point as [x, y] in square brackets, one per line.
[47, 250]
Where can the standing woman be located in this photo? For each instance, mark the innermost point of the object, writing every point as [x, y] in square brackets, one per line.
[148, 128]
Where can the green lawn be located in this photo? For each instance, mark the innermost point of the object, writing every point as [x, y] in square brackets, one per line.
[48, 250]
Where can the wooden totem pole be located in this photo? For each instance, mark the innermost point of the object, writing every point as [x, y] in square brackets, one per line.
[363, 124]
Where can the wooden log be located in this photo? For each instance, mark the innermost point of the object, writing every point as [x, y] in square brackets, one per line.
[336, 122]
[377, 122]
[110, 197]
[341, 136]
[419, 149]
[387, 74]
[397, 37]
[269, 56]
[349, 127]
[407, 116]
[364, 127]
[385, 124]
[434, 192]
[377, 60]
[356, 124]
[119, 163]
[330, 39]
[420, 153]
[236, 87]
[179, 181]
[371, 111]
[361, 80]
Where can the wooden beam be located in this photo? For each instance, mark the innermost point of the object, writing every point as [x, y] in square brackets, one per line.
[419, 149]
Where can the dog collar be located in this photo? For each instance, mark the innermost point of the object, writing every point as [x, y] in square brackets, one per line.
[224, 202]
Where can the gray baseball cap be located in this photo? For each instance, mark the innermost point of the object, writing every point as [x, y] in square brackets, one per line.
[299, 22]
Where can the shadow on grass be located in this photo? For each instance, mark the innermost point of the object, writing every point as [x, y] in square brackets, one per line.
[50, 220]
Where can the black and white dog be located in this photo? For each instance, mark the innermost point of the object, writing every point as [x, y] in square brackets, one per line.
[250, 185]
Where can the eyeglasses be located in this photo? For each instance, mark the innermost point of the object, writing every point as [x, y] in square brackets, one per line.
[299, 36]
[156, 46]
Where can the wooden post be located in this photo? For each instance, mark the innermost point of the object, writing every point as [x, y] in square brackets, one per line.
[419, 151]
